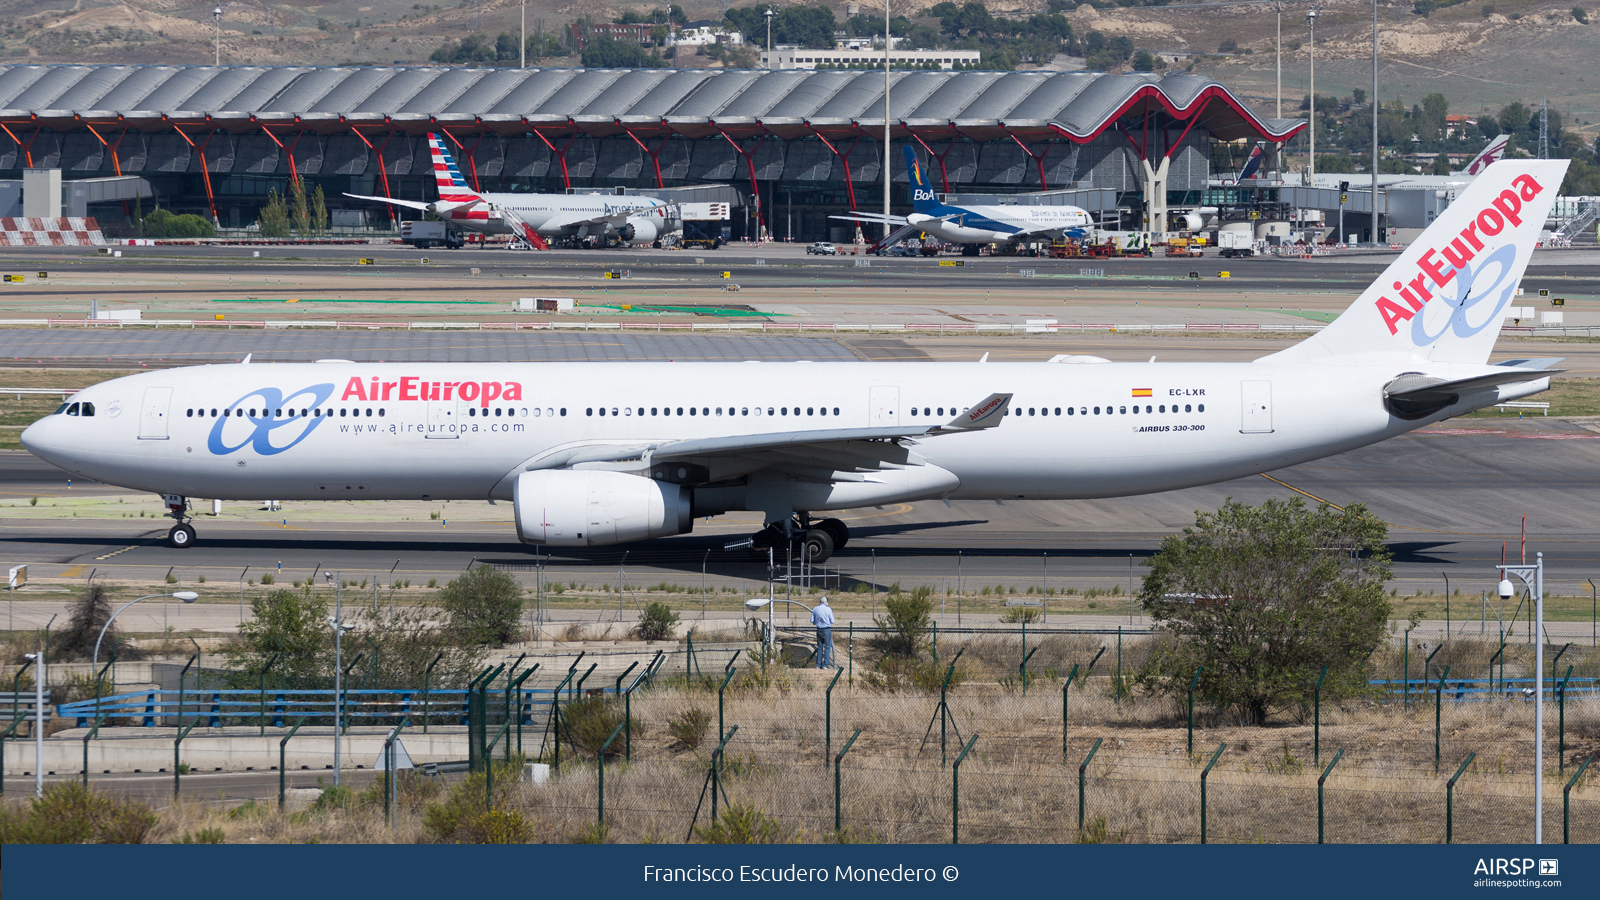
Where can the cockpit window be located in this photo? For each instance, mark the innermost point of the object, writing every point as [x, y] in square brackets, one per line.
[61, 409]
[72, 409]
[87, 409]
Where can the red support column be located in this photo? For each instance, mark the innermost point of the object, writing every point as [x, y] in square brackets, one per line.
[205, 168]
[1038, 159]
[383, 172]
[750, 165]
[294, 171]
[944, 173]
[655, 155]
[27, 148]
[844, 160]
[566, 181]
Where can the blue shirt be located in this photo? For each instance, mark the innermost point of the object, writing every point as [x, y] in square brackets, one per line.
[822, 617]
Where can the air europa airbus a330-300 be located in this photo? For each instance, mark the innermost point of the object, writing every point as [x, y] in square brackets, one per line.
[602, 453]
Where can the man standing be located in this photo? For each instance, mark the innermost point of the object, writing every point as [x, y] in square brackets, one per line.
[822, 617]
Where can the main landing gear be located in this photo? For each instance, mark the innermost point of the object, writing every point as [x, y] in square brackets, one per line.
[182, 535]
[816, 539]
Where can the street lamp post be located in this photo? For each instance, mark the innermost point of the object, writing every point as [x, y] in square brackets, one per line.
[185, 596]
[755, 603]
[769, 15]
[339, 626]
[1533, 577]
[216, 17]
[1375, 108]
[1311, 21]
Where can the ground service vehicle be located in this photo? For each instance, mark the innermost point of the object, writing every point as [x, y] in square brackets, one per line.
[424, 235]
[1236, 243]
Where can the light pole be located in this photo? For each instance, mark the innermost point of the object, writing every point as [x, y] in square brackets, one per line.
[769, 15]
[1375, 108]
[216, 17]
[185, 596]
[755, 603]
[38, 724]
[888, 46]
[1311, 21]
[1277, 54]
[524, 57]
[1533, 577]
[340, 627]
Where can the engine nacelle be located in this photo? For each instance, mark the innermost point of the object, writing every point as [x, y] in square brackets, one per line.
[640, 230]
[1191, 221]
[581, 508]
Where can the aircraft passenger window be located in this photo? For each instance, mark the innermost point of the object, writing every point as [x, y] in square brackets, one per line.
[680, 410]
[190, 413]
[1069, 410]
[1147, 408]
[471, 411]
[1125, 410]
[563, 410]
[253, 412]
[836, 410]
[1097, 410]
[719, 410]
[72, 410]
[744, 410]
[654, 411]
[627, 410]
[550, 411]
[769, 411]
[1058, 410]
[88, 409]
[783, 411]
[342, 413]
[1136, 409]
[613, 410]
[809, 411]
[1202, 407]
[369, 412]
[278, 412]
[1185, 407]
[1163, 407]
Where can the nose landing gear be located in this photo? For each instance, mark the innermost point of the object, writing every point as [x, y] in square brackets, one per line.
[182, 535]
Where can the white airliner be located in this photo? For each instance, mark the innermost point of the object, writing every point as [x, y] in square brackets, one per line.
[533, 217]
[602, 453]
[974, 225]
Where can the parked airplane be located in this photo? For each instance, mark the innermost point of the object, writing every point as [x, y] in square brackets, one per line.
[1491, 153]
[532, 217]
[602, 453]
[978, 224]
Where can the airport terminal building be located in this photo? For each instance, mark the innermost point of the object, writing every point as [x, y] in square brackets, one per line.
[789, 147]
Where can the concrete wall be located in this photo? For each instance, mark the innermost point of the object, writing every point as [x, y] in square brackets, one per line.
[232, 753]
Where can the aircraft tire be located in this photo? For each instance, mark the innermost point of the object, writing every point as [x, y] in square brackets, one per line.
[818, 545]
[837, 530]
[181, 536]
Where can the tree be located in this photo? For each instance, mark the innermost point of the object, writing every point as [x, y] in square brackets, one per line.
[273, 220]
[1358, 95]
[89, 614]
[1144, 61]
[1581, 14]
[604, 52]
[319, 212]
[1441, 164]
[484, 606]
[1263, 598]
[907, 618]
[299, 211]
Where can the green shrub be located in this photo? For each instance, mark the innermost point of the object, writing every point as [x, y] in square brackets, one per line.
[1021, 614]
[899, 673]
[162, 223]
[333, 797]
[741, 824]
[171, 578]
[484, 606]
[268, 579]
[907, 618]
[203, 836]
[70, 813]
[656, 623]
[588, 723]
[688, 728]
[592, 833]
[495, 826]
[459, 817]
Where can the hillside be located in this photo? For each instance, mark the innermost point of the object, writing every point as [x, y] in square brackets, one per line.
[1481, 56]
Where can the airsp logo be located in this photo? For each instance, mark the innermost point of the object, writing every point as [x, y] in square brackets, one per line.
[1524, 866]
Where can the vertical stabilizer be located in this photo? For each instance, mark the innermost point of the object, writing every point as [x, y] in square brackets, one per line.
[1444, 299]
[446, 174]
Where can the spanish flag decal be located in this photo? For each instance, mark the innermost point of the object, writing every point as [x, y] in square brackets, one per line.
[1141, 392]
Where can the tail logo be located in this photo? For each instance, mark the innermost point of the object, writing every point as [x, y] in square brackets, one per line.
[1504, 211]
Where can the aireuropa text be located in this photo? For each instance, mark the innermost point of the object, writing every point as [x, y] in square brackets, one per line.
[774, 874]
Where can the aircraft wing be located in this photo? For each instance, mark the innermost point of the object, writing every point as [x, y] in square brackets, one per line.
[1073, 230]
[826, 453]
[411, 204]
[871, 218]
[578, 220]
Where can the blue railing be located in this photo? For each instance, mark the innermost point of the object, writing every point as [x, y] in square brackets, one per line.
[1470, 690]
[440, 706]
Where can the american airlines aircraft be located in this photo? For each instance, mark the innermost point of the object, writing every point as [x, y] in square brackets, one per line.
[977, 224]
[602, 453]
[634, 220]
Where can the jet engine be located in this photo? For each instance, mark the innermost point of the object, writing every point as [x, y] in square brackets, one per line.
[640, 230]
[592, 508]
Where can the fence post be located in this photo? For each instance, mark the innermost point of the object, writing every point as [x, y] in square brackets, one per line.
[1450, 799]
[474, 718]
[175, 744]
[181, 673]
[838, 761]
[516, 686]
[1066, 686]
[601, 797]
[726, 678]
[1022, 670]
[389, 772]
[427, 694]
[827, 727]
[1438, 704]
[1316, 720]
[1083, 767]
[1566, 798]
[92, 732]
[1561, 730]
[283, 754]
[1203, 776]
[955, 791]
[488, 767]
[1195, 681]
[1322, 779]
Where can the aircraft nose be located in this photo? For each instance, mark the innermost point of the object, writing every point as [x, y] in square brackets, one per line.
[44, 439]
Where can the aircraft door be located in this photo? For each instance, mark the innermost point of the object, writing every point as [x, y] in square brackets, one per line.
[1257, 403]
[153, 414]
[883, 406]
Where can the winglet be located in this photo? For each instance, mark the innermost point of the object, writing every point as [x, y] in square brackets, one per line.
[986, 414]
[246, 360]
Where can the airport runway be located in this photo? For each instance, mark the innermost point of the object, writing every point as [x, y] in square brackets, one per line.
[1453, 494]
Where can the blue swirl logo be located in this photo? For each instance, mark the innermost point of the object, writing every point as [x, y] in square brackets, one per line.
[261, 429]
[1466, 281]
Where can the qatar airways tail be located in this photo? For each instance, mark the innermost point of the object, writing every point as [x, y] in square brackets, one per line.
[593, 454]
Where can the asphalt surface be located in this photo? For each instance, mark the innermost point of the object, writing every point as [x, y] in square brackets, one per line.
[1453, 494]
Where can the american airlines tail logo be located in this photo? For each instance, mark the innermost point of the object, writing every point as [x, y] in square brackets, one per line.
[1439, 267]
[271, 432]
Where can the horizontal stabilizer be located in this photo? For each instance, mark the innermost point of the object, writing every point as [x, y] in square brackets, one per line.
[1416, 385]
[409, 204]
